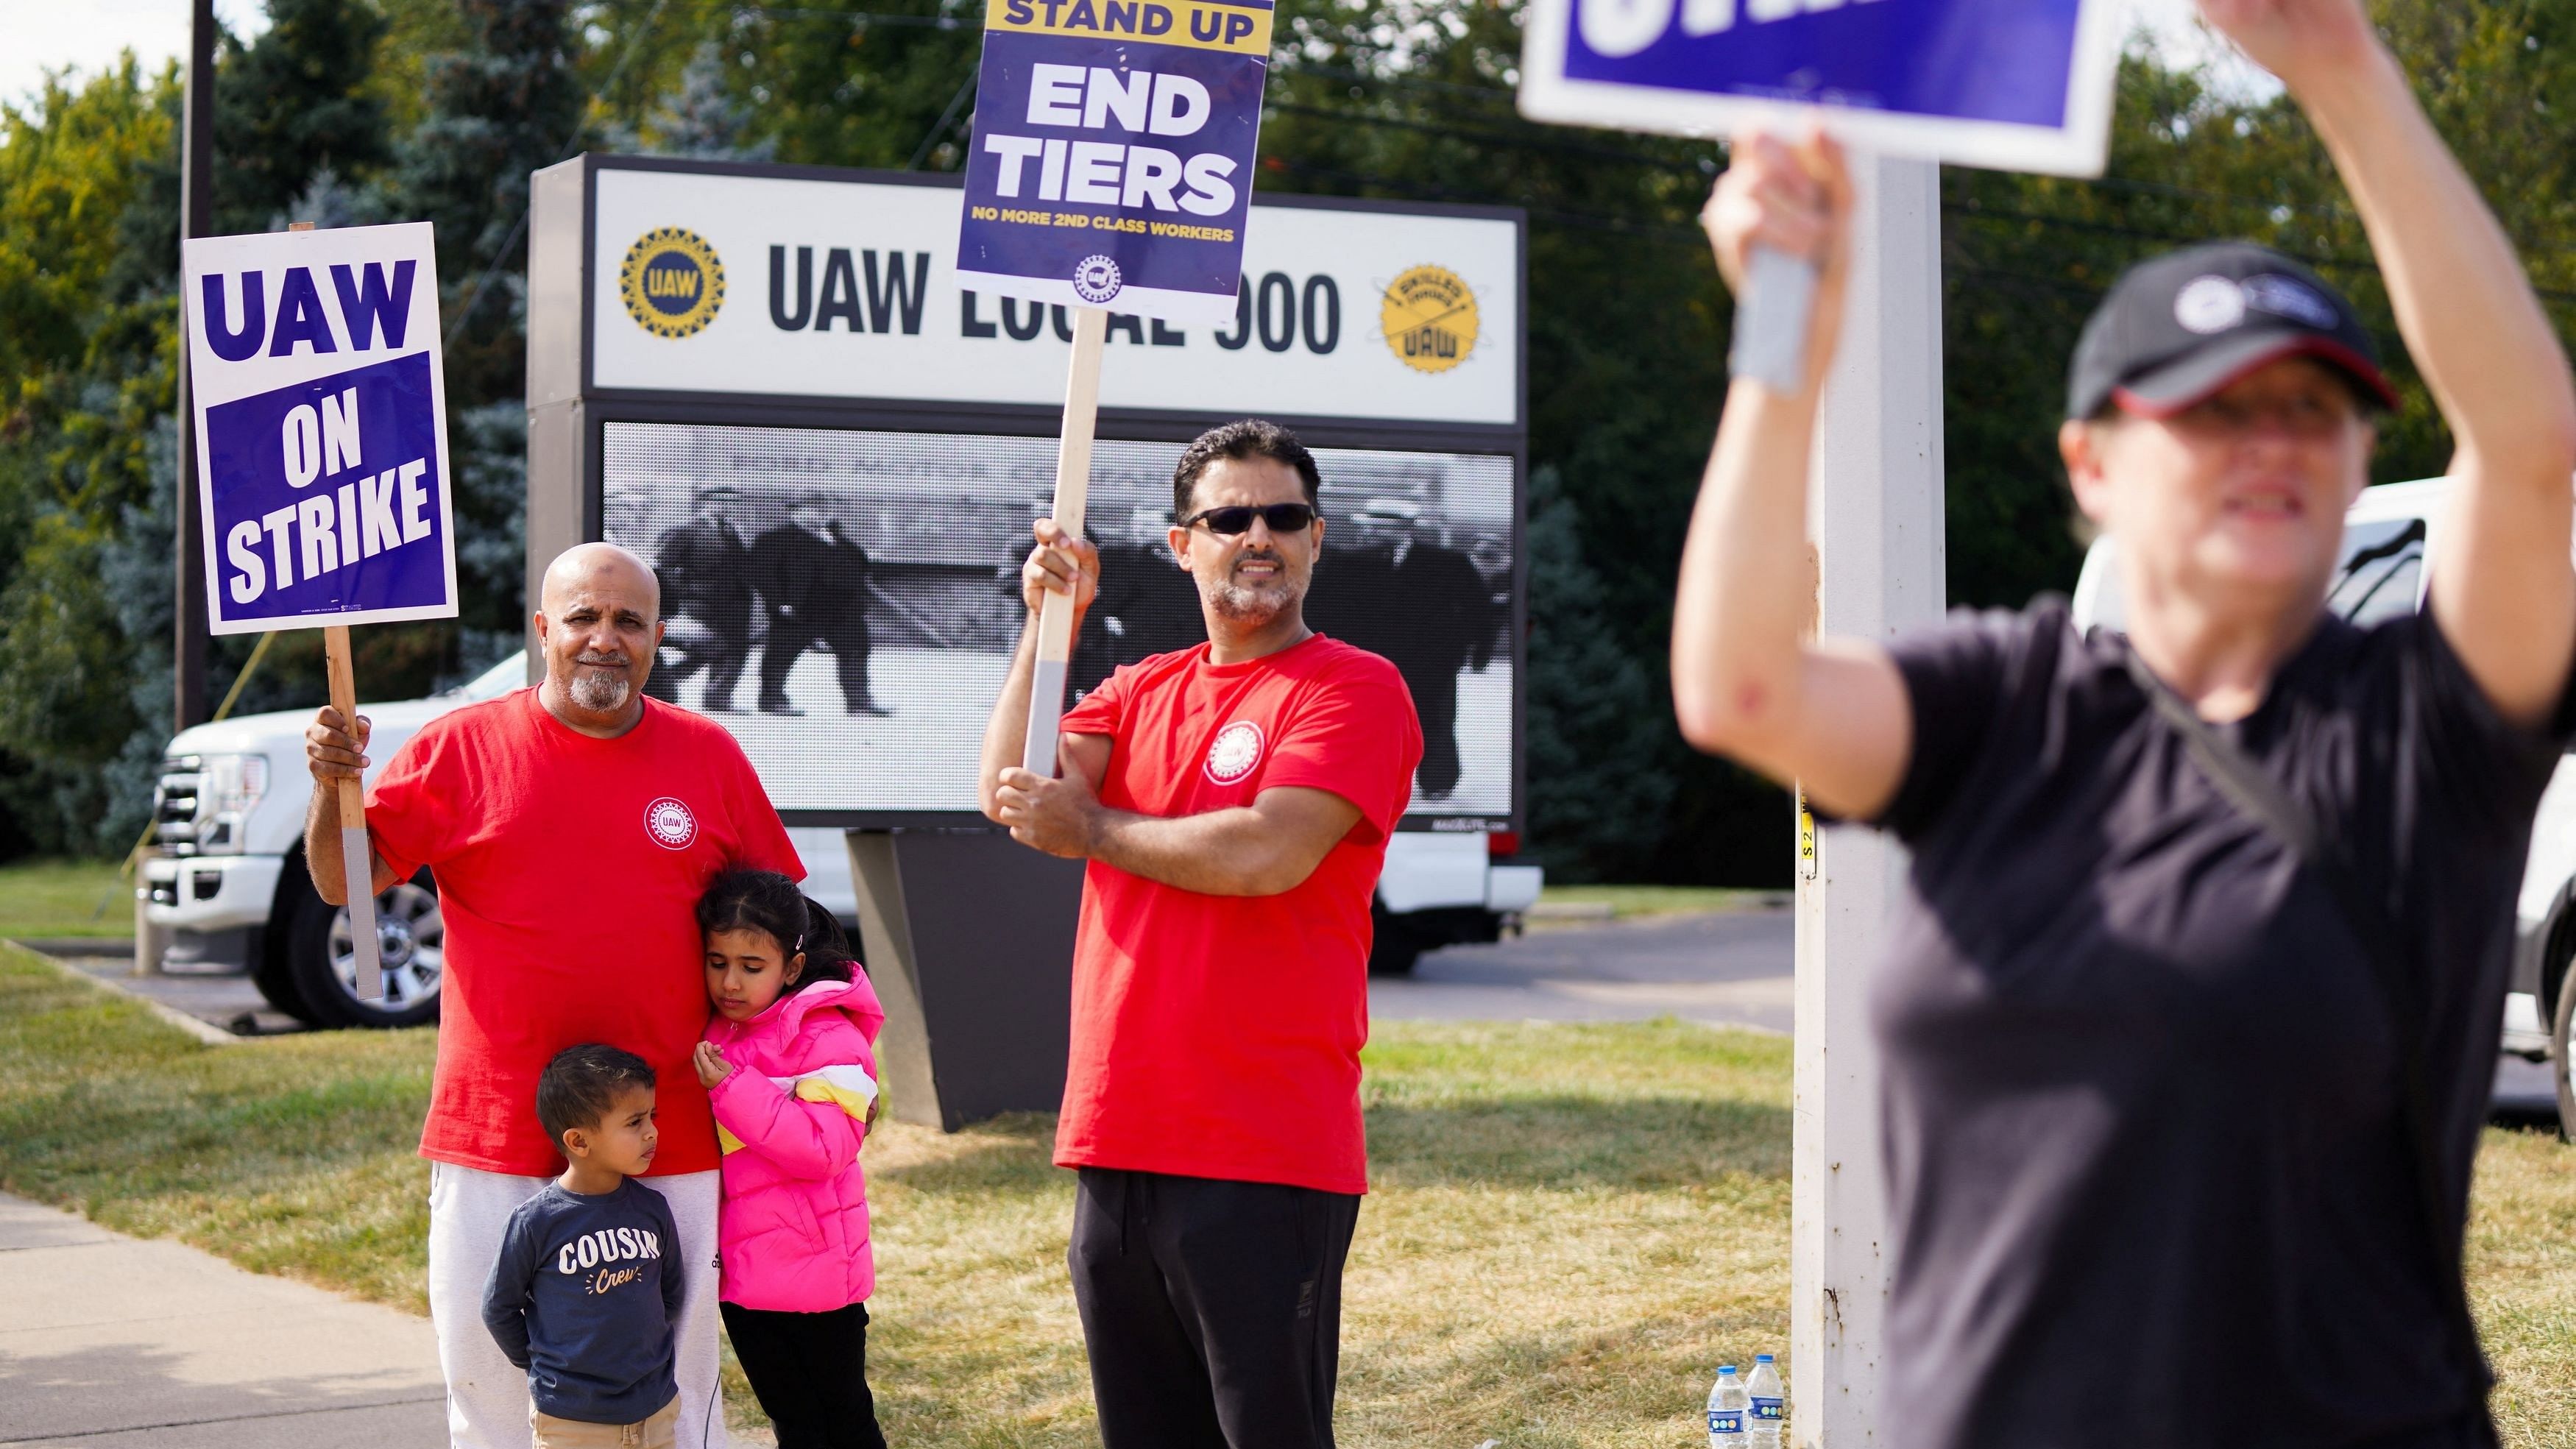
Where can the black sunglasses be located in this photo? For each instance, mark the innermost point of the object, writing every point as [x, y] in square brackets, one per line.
[1282, 518]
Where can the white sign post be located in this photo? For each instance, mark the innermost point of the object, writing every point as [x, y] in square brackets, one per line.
[320, 410]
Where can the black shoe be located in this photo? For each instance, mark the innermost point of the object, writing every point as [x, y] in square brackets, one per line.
[780, 706]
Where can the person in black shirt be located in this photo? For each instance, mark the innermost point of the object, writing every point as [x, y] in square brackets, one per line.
[587, 1285]
[2178, 1137]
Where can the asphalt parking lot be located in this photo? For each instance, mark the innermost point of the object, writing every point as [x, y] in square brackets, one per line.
[1723, 969]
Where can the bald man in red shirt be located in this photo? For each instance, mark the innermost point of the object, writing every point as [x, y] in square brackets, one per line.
[571, 829]
[1233, 800]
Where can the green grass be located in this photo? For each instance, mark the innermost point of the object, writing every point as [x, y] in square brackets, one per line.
[1627, 901]
[1569, 1224]
[54, 898]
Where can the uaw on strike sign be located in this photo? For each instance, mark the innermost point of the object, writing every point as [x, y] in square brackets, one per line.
[321, 417]
[1112, 155]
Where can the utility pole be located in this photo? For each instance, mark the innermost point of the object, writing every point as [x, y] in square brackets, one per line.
[196, 219]
[1875, 498]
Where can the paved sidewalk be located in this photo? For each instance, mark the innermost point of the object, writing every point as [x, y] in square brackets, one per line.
[111, 1342]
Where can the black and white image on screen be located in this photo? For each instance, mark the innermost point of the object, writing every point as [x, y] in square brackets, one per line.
[846, 602]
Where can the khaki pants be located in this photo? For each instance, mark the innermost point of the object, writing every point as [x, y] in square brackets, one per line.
[657, 1432]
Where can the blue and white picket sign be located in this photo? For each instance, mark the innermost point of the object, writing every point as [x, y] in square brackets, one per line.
[321, 416]
[1111, 163]
[2021, 85]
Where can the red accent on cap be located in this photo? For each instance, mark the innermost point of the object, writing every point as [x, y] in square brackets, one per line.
[2325, 348]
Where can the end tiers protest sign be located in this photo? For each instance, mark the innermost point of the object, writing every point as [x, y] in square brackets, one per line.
[321, 418]
[1112, 155]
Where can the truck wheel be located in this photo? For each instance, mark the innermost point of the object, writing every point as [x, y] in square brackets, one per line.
[274, 975]
[1394, 945]
[410, 940]
[2560, 1058]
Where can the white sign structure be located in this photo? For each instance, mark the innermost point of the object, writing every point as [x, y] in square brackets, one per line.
[783, 287]
[2022, 85]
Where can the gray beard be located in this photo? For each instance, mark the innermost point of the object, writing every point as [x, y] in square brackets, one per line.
[1252, 607]
[599, 693]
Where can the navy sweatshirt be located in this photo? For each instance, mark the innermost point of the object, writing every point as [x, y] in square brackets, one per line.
[583, 1297]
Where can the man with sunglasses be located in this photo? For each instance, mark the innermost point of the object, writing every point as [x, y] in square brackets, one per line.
[1234, 800]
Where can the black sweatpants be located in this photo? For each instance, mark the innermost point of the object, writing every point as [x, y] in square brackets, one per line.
[810, 1373]
[1212, 1309]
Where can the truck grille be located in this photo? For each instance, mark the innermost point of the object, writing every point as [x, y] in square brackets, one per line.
[174, 804]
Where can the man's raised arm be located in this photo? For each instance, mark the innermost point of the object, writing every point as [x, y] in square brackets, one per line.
[1058, 564]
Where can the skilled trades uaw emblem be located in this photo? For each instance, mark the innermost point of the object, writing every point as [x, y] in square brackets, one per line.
[1429, 317]
[671, 282]
[1236, 751]
[670, 824]
[1096, 279]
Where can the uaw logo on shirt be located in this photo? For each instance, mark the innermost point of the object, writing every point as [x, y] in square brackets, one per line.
[671, 282]
[1236, 751]
[1429, 318]
[670, 824]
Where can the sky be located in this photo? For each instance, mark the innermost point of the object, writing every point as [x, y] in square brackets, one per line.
[88, 34]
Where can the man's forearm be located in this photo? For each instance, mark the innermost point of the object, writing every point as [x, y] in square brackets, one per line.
[2461, 298]
[322, 854]
[1222, 853]
[1006, 734]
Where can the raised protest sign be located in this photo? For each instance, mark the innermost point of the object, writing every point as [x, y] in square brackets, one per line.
[1112, 157]
[2023, 85]
[321, 418]
[1111, 165]
[321, 425]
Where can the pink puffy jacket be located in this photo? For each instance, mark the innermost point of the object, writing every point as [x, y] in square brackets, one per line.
[793, 1232]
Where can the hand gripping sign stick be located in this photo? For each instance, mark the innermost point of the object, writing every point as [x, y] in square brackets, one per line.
[1072, 494]
[357, 857]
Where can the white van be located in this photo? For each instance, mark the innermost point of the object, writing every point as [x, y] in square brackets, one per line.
[2385, 538]
[226, 885]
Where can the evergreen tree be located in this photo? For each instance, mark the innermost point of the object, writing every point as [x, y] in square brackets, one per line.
[702, 118]
[295, 103]
[506, 105]
[1594, 738]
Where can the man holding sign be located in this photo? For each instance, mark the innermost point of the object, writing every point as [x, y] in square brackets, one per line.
[572, 828]
[1234, 801]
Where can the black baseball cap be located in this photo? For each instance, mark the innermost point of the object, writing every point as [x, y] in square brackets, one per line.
[2180, 327]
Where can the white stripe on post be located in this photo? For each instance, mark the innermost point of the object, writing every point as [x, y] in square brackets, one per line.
[1072, 494]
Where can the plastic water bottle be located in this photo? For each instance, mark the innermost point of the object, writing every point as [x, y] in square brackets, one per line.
[1726, 1401]
[1766, 1405]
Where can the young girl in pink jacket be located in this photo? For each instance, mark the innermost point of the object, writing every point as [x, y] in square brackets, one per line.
[790, 1064]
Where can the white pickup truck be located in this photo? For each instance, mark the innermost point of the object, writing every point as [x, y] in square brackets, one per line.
[226, 884]
[2384, 545]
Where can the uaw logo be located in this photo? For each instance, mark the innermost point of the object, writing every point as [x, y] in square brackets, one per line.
[1236, 751]
[1429, 318]
[670, 824]
[1096, 279]
[672, 282]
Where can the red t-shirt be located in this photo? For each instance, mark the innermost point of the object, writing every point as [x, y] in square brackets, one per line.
[1219, 1036]
[569, 870]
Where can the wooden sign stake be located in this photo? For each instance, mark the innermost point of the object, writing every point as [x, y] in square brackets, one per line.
[1072, 494]
[356, 855]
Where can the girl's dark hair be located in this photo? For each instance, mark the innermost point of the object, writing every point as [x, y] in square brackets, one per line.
[765, 901]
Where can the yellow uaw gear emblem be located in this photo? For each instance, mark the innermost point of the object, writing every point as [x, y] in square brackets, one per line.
[1429, 319]
[672, 282]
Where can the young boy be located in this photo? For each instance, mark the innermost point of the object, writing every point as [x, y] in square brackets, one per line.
[583, 1295]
